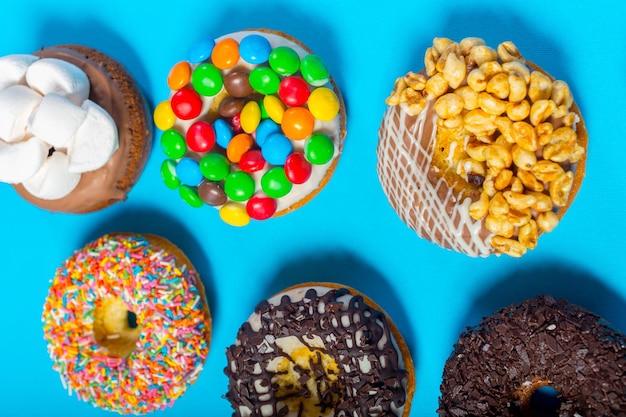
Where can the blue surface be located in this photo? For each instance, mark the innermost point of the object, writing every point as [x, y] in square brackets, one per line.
[349, 233]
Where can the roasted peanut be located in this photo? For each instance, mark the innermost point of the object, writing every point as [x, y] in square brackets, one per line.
[546, 171]
[517, 185]
[523, 158]
[543, 202]
[477, 80]
[525, 136]
[430, 61]
[479, 122]
[561, 94]
[507, 51]
[416, 81]
[479, 208]
[540, 111]
[547, 221]
[518, 111]
[450, 49]
[517, 87]
[498, 86]
[490, 104]
[560, 188]
[398, 87]
[448, 105]
[529, 180]
[544, 133]
[476, 150]
[519, 68]
[503, 179]
[469, 96]
[528, 234]
[466, 45]
[561, 146]
[454, 70]
[491, 69]
[519, 201]
[507, 246]
[498, 225]
[498, 205]
[483, 53]
[412, 101]
[435, 86]
[440, 44]
[498, 157]
[470, 167]
[504, 125]
[540, 87]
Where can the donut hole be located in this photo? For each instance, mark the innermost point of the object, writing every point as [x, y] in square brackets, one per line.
[544, 401]
[116, 328]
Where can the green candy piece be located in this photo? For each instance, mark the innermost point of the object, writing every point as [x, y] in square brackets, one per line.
[173, 144]
[275, 183]
[314, 71]
[264, 80]
[214, 166]
[284, 60]
[264, 114]
[319, 149]
[207, 79]
[239, 186]
[190, 196]
[168, 173]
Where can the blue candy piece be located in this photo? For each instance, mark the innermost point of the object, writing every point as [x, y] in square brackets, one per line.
[201, 50]
[223, 132]
[266, 128]
[276, 149]
[255, 49]
[188, 172]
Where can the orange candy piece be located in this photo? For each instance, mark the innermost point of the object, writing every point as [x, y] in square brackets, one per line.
[237, 146]
[179, 75]
[225, 54]
[298, 123]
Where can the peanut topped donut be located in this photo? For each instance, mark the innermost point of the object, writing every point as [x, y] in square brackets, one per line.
[539, 358]
[319, 349]
[127, 323]
[481, 151]
[254, 125]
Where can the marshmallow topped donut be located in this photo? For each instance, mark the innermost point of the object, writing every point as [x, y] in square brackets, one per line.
[319, 349]
[539, 358]
[74, 130]
[127, 323]
[254, 125]
[481, 151]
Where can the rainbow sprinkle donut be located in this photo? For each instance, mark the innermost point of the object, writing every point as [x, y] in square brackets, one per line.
[127, 323]
[254, 125]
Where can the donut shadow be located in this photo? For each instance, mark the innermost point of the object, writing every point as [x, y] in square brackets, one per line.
[93, 33]
[346, 269]
[569, 282]
[152, 221]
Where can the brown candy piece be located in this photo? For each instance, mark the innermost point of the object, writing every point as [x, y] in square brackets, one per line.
[211, 193]
[237, 84]
[230, 106]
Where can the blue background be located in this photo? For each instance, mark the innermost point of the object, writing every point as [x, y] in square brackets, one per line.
[349, 233]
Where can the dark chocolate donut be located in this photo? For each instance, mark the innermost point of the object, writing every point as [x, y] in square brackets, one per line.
[542, 357]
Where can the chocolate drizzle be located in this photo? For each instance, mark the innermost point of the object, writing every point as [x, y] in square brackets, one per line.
[541, 339]
[322, 355]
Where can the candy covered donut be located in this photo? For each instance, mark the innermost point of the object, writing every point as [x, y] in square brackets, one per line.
[127, 323]
[481, 151]
[540, 358]
[319, 349]
[254, 125]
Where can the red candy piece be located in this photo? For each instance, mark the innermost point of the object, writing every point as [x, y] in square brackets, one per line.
[252, 161]
[186, 103]
[235, 122]
[294, 91]
[200, 136]
[261, 207]
[297, 168]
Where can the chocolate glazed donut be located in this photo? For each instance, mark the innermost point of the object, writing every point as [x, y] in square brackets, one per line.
[540, 358]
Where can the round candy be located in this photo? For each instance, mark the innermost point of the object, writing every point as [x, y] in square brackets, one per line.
[297, 168]
[314, 70]
[265, 128]
[168, 174]
[201, 50]
[260, 207]
[284, 60]
[275, 183]
[186, 103]
[207, 79]
[237, 84]
[173, 144]
[230, 106]
[264, 80]
[255, 49]
[223, 132]
[276, 149]
[188, 171]
[250, 116]
[164, 117]
[274, 108]
[319, 149]
[190, 196]
[323, 104]
[238, 145]
[263, 111]
[293, 91]
[234, 214]
[239, 186]
[211, 193]
[214, 166]
[225, 54]
[298, 123]
[235, 122]
[179, 75]
[252, 161]
[200, 136]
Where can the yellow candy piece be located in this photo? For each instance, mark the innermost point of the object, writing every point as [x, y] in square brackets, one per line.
[323, 104]
[234, 214]
[250, 116]
[164, 117]
[179, 75]
[274, 108]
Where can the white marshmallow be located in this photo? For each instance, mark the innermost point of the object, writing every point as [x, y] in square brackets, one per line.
[56, 120]
[13, 69]
[16, 106]
[53, 181]
[20, 161]
[95, 141]
[51, 75]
